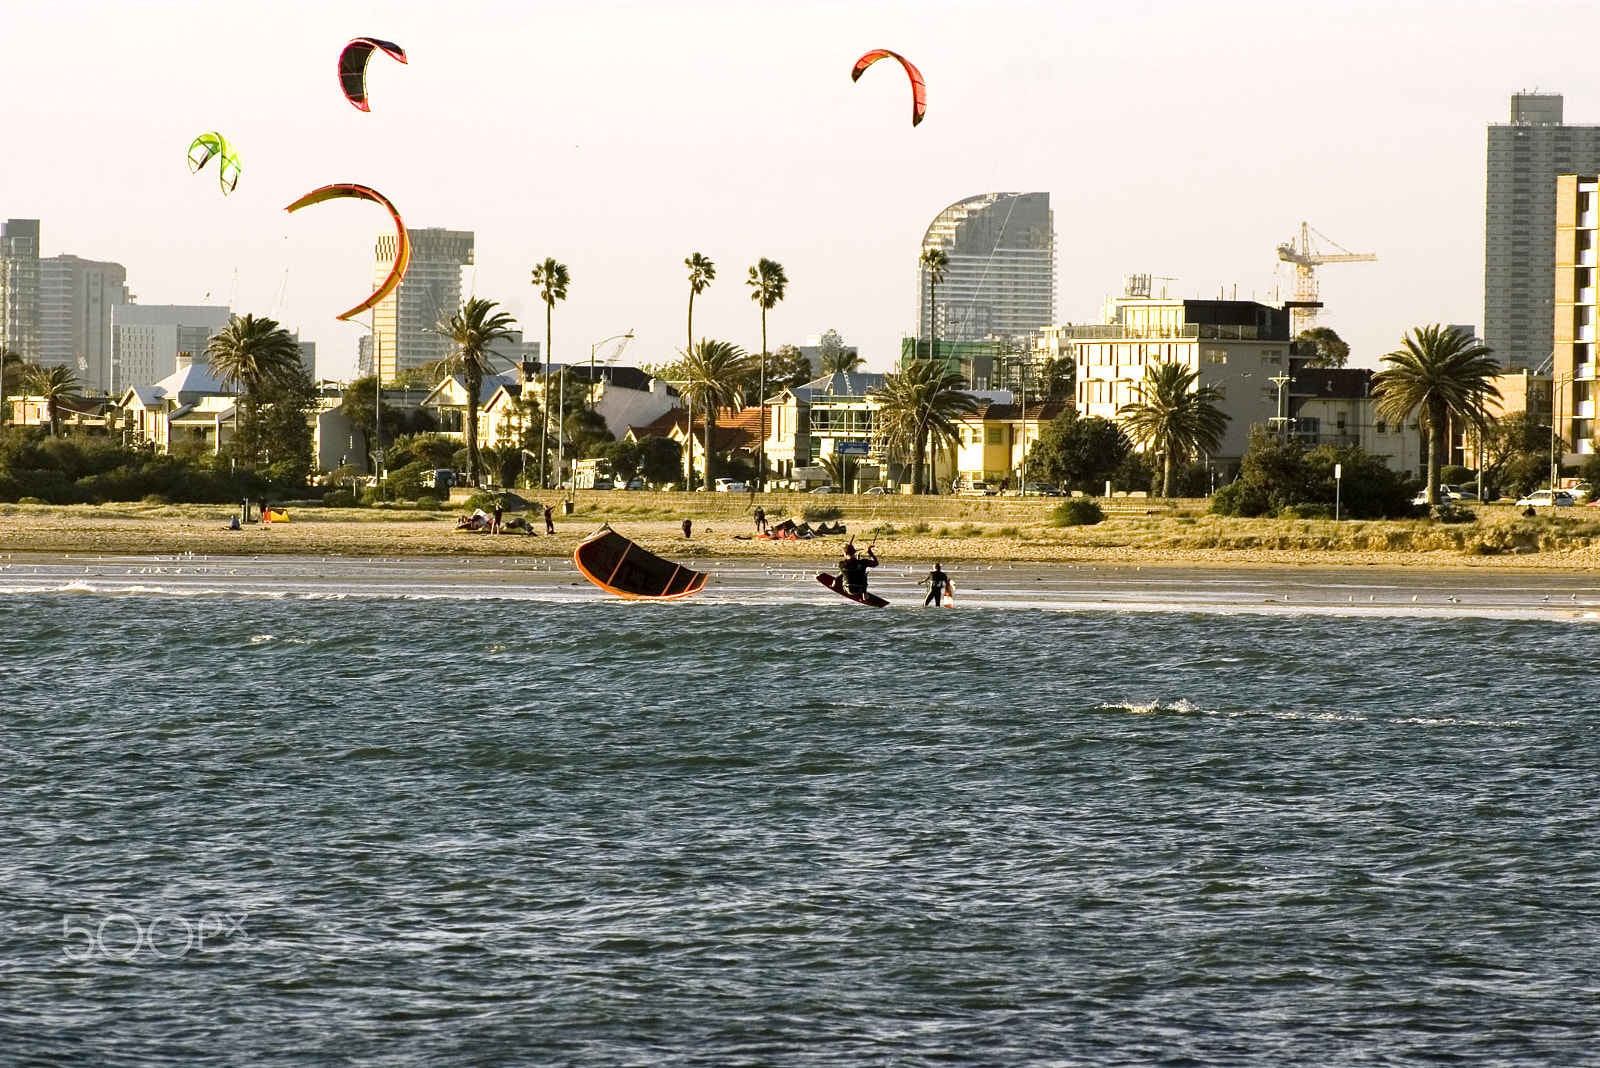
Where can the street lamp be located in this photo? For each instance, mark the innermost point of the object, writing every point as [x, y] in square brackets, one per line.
[592, 348]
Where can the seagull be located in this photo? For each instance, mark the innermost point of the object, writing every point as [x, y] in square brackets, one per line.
[1413, 598]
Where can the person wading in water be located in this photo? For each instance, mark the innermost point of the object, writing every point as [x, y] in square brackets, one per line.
[939, 586]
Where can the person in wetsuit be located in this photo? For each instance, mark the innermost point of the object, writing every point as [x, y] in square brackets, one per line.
[853, 568]
[938, 585]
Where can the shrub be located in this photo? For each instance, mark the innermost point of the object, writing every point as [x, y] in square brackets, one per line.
[429, 502]
[339, 498]
[1306, 511]
[154, 498]
[373, 495]
[818, 513]
[1450, 513]
[1077, 512]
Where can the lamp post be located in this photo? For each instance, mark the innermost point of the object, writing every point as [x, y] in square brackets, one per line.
[595, 346]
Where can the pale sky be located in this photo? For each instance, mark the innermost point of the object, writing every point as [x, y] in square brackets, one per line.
[1182, 139]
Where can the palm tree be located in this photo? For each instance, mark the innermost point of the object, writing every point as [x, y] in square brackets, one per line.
[712, 371]
[552, 278]
[701, 273]
[835, 356]
[1440, 374]
[1175, 417]
[923, 401]
[250, 353]
[471, 332]
[767, 283]
[935, 262]
[51, 385]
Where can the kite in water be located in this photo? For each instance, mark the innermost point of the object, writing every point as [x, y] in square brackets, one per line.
[402, 258]
[919, 90]
[214, 144]
[353, 66]
[618, 566]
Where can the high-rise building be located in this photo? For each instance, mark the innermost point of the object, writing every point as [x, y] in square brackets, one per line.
[430, 294]
[147, 338]
[19, 287]
[1576, 235]
[1000, 278]
[75, 301]
[1525, 157]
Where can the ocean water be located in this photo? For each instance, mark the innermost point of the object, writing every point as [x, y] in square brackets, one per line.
[255, 814]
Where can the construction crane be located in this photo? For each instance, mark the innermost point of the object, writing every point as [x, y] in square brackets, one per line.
[1306, 258]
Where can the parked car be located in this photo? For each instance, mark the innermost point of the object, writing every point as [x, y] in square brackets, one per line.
[823, 489]
[1042, 489]
[634, 484]
[879, 490]
[730, 485]
[973, 488]
[1547, 499]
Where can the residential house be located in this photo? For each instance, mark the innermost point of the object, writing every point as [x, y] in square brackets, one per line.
[995, 439]
[190, 406]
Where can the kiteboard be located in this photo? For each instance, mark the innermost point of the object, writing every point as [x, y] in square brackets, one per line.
[618, 566]
[836, 584]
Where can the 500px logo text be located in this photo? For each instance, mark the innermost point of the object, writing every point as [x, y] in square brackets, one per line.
[121, 936]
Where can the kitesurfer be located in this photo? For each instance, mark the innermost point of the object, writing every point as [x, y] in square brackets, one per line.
[549, 520]
[938, 586]
[853, 568]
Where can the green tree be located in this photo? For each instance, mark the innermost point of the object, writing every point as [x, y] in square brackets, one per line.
[790, 368]
[552, 279]
[1174, 417]
[249, 353]
[921, 403]
[585, 428]
[472, 332]
[52, 385]
[1439, 374]
[275, 432]
[841, 471]
[1058, 380]
[1517, 448]
[660, 460]
[1331, 349]
[934, 262]
[621, 456]
[10, 369]
[767, 284]
[712, 372]
[1279, 473]
[1079, 453]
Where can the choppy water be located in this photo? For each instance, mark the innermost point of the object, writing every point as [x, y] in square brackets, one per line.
[557, 829]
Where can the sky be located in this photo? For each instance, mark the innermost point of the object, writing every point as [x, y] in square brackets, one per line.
[1186, 140]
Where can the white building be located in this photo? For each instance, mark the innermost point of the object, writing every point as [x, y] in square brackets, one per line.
[1000, 280]
[75, 301]
[147, 338]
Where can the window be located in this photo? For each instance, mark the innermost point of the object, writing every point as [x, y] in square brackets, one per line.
[1216, 355]
[1272, 356]
[1381, 426]
[994, 435]
[1269, 395]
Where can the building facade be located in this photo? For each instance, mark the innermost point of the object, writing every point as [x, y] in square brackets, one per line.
[76, 297]
[147, 338]
[1525, 157]
[1576, 236]
[1000, 280]
[19, 287]
[429, 295]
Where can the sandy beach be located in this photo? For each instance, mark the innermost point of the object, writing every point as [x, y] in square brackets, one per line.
[723, 529]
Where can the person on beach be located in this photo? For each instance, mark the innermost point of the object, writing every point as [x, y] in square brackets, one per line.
[549, 520]
[499, 516]
[761, 520]
[853, 568]
[938, 586]
[687, 524]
